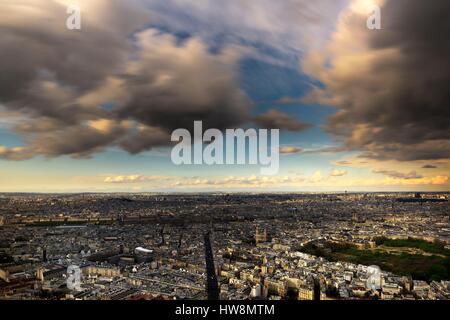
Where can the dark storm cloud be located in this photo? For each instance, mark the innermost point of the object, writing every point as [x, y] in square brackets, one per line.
[79, 141]
[392, 91]
[171, 86]
[45, 66]
[57, 80]
[274, 119]
[145, 139]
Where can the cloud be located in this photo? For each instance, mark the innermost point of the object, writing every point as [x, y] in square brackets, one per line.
[316, 180]
[135, 179]
[338, 173]
[48, 66]
[389, 86]
[434, 181]
[343, 163]
[429, 166]
[290, 150]
[144, 138]
[316, 177]
[326, 150]
[399, 175]
[274, 119]
[79, 141]
[171, 85]
[16, 153]
[56, 82]
[228, 182]
[288, 100]
[288, 25]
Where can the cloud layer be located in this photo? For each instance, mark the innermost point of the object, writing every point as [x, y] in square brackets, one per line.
[116, 82]
[274, 119]
[390, 86]
[139, 69]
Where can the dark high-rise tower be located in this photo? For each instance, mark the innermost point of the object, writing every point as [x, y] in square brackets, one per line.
[316, 288]
[212, 286]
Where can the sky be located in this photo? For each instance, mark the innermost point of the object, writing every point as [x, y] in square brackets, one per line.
[92, 110]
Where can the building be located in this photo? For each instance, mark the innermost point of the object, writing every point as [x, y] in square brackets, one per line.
[101, 271]
[305, 293]
[260, 236]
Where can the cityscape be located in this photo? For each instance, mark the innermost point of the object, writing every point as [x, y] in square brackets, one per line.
[348, 246]
[207, 158]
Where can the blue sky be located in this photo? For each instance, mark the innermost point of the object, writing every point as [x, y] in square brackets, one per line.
[263, 82]
[100, 119]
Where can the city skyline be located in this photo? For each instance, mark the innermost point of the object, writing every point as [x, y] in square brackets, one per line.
[248, 247]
